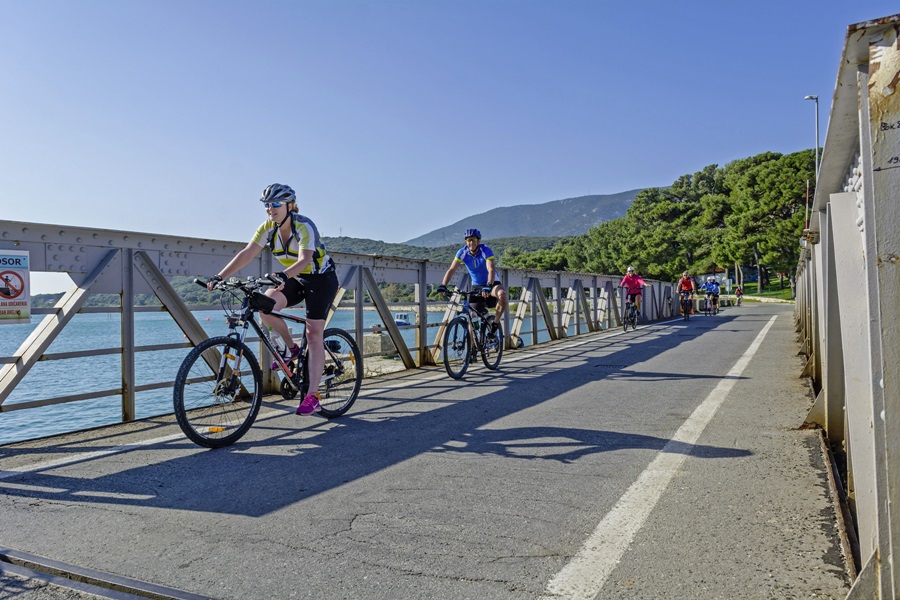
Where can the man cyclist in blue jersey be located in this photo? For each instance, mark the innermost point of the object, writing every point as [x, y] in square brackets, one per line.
[711, 287]
[479, 261]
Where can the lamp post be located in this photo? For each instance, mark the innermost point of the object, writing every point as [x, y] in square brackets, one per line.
[816, 98]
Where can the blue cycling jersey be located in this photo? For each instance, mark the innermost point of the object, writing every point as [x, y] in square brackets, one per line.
[477, 263]
[710, 288]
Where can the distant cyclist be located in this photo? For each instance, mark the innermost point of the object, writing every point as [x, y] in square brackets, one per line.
[634, 287]
[711, 287]
[686, 285]
[308, 273]
[479, 261]
[739, 294]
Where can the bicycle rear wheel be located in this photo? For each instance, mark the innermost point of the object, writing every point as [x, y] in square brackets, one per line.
[343, 373]
[218, 392]
[456, 347]
[492, 350]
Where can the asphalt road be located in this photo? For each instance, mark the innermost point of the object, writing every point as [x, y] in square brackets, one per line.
[662, 463]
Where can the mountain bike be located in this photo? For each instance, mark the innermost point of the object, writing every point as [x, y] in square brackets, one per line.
[470, 334]
[629, 313]
[711, 305]
[686, 304]
[218, 389]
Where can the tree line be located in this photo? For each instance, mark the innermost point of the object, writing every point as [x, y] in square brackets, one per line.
[749, 213]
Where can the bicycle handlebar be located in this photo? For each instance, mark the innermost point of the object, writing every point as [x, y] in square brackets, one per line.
[245, 285]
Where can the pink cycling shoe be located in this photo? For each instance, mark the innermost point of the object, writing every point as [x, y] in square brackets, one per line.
[309, 405]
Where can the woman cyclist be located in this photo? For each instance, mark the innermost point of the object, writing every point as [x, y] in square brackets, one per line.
[634, 287]
[308, 273]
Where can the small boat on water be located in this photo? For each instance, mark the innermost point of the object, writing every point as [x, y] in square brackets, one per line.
[401, 319]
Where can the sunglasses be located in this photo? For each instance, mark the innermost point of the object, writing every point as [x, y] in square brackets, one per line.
[273, 204]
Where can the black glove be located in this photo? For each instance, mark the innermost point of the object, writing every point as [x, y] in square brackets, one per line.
[486, 290]
[442, 290]
[279, 278]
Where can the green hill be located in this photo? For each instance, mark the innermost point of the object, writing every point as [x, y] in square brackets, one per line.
[559, 218]
[439, 254]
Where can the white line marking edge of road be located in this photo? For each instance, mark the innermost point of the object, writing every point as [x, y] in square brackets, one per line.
[584, 576]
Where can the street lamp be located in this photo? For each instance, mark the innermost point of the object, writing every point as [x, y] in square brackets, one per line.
[816, 98]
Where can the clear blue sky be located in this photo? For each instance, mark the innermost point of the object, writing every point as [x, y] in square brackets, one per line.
[391, 118]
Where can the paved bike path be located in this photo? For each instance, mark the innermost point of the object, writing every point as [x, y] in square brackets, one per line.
[484, 488]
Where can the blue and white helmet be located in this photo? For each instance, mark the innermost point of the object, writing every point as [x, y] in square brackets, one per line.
[278, 192]
[472, 233]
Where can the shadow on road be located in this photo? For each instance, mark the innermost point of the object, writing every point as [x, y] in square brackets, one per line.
[299, 458]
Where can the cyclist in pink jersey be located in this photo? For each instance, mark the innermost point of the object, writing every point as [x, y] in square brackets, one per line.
[634, 287]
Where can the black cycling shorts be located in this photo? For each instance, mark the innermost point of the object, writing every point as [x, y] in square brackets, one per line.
[318, 290]
[476, 297]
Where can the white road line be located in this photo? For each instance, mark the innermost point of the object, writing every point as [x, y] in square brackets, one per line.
[584, 576]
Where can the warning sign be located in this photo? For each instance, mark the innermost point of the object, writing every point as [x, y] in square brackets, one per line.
[15, 299]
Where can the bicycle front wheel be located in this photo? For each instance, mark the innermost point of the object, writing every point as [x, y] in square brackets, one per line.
[456, 347]
[492, 350]
[625, 320]
[218, 392]
[343, 373]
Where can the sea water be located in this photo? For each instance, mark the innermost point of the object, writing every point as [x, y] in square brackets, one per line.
[95, 331]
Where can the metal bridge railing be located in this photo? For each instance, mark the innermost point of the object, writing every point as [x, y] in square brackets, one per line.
[848, 300]
[129, 263]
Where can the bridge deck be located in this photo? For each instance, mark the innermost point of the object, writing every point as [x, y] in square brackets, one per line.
[661, 463]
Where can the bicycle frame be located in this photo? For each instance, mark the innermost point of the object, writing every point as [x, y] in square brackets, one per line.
[267, 340]
[629, 309]
[685, 304]
[470, 314]
[246, 319]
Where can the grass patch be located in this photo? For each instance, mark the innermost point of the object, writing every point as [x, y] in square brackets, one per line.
[771, 291]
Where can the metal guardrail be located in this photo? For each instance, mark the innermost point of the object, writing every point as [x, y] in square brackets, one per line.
[129, 263]
[848, 301]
